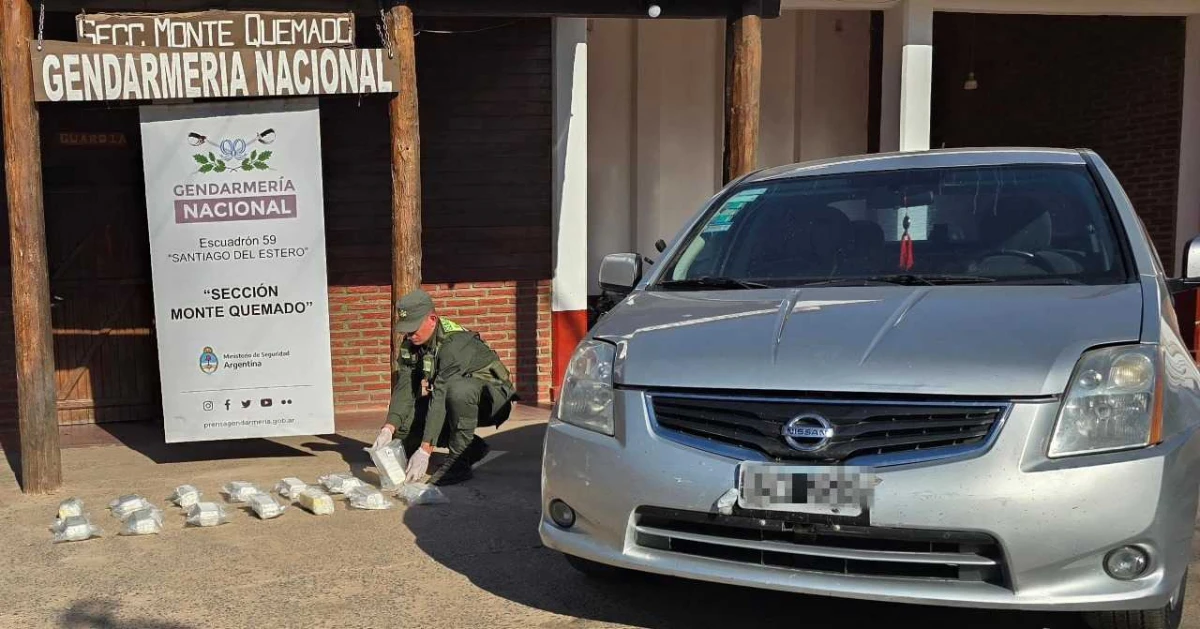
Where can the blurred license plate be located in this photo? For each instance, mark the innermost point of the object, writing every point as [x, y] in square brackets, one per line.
[839, 491]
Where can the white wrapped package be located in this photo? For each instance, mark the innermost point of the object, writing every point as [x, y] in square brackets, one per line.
[146, 521]
[240, 491]
[206, 514]
[368, 498]
[290, 487]
[75, 528]
[70, 508]
[390, 462]
[340, 483]
[421, 494]
[127, 504]
[265, 506]
[315, 499]
[185, 496]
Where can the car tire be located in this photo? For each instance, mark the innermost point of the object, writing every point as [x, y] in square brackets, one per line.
[595, 570]
[1167, 617]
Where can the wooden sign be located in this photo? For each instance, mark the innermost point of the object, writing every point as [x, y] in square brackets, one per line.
[217, 29]
[71, 72]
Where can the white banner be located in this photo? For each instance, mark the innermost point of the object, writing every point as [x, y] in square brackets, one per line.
[237, 242]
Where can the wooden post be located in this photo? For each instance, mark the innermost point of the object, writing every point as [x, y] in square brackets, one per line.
[406, 163]
[743, 79]
[41, 463]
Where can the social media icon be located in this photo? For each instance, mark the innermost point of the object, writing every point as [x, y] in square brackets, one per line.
[226, 404]
[208, 405]
[265, 402]
[246, 403]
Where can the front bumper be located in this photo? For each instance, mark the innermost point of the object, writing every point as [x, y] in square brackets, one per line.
[1053, 521]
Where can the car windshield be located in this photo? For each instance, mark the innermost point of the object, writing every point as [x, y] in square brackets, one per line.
[1004, 225]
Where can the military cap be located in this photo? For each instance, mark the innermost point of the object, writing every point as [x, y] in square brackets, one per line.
[412, 309]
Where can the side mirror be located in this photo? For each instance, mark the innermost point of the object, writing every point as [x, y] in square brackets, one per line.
[660, 245]
[620, 272]
[1191, 268]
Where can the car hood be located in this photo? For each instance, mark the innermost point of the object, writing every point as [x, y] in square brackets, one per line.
[947, 340]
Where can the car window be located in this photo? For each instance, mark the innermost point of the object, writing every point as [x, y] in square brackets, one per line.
[1011, 224]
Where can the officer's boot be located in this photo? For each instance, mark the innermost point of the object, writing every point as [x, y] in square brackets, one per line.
[476, 451]
[457, 469]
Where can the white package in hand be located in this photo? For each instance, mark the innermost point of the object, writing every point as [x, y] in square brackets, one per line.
[75, 528]
[146, 521]
[69, 508]
[421, 494]
[368, 498]
[391, 462]
[265, 506]
[340, 483]
[185, 496]
[315, 499]
[206, 514]
[127, 504]
[240, 491]
[290, 487]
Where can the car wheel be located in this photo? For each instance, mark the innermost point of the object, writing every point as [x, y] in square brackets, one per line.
[596, 570]
[1167, 617]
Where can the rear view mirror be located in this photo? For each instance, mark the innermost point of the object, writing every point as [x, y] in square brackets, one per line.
[1191, 268]
[620, 272]
[1191, 261]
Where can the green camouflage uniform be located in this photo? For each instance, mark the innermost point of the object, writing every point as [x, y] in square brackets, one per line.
[469, 387]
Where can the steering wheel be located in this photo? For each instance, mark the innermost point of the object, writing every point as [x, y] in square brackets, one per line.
[1018, 253]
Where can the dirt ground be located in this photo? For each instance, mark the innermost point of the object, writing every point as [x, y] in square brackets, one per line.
[476, 562]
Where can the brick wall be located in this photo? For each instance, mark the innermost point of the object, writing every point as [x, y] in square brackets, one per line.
[513, 317]
[1111, 84]
[485, 108]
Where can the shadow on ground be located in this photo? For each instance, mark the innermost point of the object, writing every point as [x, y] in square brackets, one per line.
[147, 438]
[10, 442]
[488, 533]
[99, 613]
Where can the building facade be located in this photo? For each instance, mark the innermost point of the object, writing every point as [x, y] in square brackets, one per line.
[844, 77]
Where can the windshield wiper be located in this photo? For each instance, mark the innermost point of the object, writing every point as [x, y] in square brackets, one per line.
[1041, 281]
[711, 282]
[901, 279]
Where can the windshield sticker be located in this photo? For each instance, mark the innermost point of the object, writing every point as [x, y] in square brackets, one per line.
[723, 219]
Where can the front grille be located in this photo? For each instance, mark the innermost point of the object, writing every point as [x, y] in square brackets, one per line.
[918, 554]
[859, 428]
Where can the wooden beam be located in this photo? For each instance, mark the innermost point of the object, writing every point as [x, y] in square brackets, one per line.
[406, 162]
[743, 80]
[672, 9]
[41, 463]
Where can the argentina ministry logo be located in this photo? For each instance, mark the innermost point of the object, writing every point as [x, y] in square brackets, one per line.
[208, 360]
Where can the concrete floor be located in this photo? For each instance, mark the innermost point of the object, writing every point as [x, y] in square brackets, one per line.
[476, 562]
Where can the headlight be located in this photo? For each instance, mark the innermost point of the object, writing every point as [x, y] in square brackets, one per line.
[587, 392]
[1113, 402]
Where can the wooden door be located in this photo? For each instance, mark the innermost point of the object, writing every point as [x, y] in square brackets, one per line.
[104, 346]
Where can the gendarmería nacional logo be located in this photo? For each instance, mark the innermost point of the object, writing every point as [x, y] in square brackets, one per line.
[232, 154]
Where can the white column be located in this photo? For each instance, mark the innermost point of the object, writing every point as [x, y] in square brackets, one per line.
[570, 173]
[611, 101]
[1187, 220]
[678, 134]
[907, 77]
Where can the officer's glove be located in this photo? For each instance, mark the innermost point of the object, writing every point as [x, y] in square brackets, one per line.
[418, 465]
[385, 436]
